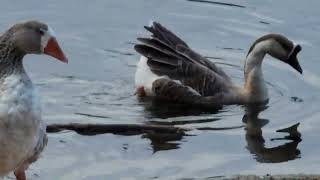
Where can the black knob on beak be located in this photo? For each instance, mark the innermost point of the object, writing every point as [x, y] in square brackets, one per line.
[293, 60]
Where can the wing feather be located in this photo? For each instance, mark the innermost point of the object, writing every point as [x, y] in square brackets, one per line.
[168, 55]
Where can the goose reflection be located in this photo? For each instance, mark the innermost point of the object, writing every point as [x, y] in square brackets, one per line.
[156, 108]
[164, 141]
[159, 108]
[253, 130]
[256, 143]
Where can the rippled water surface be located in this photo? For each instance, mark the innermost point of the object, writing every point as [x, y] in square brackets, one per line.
[97, 87]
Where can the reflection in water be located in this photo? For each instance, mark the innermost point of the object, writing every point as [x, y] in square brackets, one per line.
[253, 126]
[161, 137]
[163, 141]
[162, 109]
[158, 108]
[294, 134]
[256, 143]
[165, 135]
[218, 3]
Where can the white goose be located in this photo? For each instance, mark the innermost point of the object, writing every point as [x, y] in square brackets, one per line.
[170, 69]
[22, 132]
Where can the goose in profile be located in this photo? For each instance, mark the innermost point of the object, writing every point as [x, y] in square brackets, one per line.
[169, 69]
[22, 131]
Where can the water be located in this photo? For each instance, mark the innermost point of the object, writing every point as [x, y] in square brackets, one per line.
[97, 87]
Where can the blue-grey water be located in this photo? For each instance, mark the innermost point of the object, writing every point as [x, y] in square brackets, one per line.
[97, 87]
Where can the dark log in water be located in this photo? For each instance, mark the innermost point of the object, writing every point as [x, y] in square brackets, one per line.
[126, 129]
[120, 129]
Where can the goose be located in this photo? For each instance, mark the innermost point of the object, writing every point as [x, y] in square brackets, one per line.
[169, 69]
[22, 131]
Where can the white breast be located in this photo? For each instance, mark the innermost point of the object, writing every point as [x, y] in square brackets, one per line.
[20, 122]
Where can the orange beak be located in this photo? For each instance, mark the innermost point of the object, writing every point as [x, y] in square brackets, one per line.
[53, 49]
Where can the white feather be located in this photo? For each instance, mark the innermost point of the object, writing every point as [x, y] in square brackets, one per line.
[144, 77]
[45, 38]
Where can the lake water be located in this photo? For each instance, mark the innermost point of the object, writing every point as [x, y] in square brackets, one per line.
[97, 87]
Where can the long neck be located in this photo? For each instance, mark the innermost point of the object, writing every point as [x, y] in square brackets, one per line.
[255, 88]
[10, 58]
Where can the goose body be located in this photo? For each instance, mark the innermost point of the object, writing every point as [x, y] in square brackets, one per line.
[170, 69]
[22, 131]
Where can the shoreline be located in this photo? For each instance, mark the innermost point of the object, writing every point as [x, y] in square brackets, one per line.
[274, 177]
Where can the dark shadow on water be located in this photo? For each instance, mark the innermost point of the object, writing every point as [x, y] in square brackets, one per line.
[264, 22]
[168, 135]
[218, 3]
[161, 137]
[183, 122]
[117, 52]
[163, 142]
[256, 142]
[157, 108]
[91, 115]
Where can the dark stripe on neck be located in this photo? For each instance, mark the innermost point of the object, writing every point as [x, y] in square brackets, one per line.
[283, 41]
[10, 58]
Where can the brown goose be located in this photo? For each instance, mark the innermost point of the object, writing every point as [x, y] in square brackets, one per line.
[170, 69]
[22, 132]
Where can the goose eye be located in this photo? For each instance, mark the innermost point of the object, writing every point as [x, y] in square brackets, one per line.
[41, 32]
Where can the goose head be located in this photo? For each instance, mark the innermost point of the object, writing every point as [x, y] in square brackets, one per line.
[281, 48]
[33, 37]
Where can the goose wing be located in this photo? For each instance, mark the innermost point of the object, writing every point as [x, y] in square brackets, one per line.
[170, 56]
[163, 36]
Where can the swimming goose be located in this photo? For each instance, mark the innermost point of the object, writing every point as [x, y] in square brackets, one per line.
[22, 132]
[170, 69]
